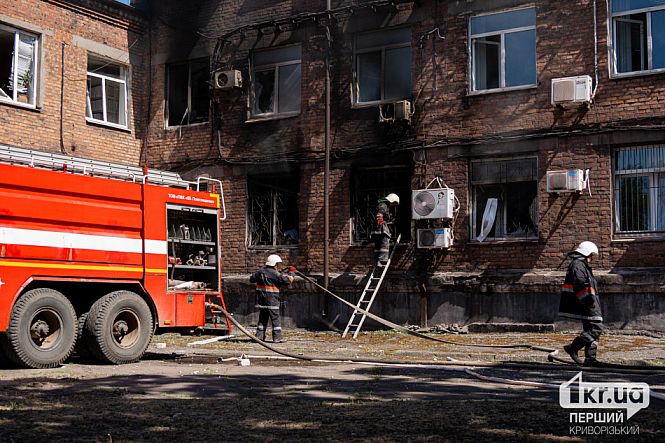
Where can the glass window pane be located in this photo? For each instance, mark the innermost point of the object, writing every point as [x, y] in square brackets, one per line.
[289, 88]
[26, 68]
[502, 21]
[388, 37]
[398, 73]
[521, 58]
[264, 90]
[115, 102]
[177, 94]
[660, 216]
[658, 39]
[486, 59]
[369, 77]
[104, 67]
[200, 91]
[95, 99]
[630, 44]
[277, 55]
[627, 5]
[634, 203]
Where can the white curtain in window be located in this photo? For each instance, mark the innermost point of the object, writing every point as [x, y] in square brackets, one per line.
[623, 47]
[480, 65]
[488, 218]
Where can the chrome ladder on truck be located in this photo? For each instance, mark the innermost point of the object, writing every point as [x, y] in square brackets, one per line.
[369, 293]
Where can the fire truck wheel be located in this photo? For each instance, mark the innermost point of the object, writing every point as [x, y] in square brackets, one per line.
[82, 339]
[120, 327]
[42, 329]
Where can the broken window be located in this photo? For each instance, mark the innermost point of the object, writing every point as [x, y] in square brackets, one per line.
[106, 99]
[371, 184]
[505, 204]
[18, 66]
[273, 210]
[639, 189]
[276, 81]
[383, 65]
[188, 92]
[638, 35]
[503, 50]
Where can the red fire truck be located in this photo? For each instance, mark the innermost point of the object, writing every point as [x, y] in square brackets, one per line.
[100, 256]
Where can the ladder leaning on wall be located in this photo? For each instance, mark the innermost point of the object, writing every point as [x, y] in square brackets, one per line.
[369, 293]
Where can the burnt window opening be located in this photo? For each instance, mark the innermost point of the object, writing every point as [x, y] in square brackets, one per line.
[367, 187]
[639, 189]
[188, 92]
[18, 62]
[382, 65]
[505, 203]
[276, 81]
[273, 218]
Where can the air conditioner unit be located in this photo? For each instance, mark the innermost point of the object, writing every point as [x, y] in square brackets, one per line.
[227, 79]
[435, 238]
[432, 203]
[395, 111]
[573, 180]
[571, 90]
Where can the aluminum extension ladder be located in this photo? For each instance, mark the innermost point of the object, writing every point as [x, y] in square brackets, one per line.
[369, 293]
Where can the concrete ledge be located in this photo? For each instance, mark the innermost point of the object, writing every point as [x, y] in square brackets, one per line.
[510, 327]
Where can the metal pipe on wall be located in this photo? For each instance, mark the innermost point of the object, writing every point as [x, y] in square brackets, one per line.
[326, 173]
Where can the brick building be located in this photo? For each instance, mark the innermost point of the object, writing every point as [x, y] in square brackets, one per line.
[477, 77]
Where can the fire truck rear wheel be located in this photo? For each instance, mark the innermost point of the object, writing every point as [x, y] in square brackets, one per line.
[42, 329]
[120, 327]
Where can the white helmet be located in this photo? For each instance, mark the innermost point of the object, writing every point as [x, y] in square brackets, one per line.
[273, 259]
[393, 198]
[586, 248]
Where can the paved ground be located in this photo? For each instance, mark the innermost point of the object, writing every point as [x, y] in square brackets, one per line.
[193, 393]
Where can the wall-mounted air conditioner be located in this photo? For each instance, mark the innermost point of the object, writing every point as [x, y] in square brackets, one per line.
[395, 111]
[227, 79]
[573, 180]
[440, 238]
[432, 203]
[571, 90]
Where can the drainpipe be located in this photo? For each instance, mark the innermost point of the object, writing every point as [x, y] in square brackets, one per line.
[326, 173]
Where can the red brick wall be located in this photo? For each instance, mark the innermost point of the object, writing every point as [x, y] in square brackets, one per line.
[104, 22]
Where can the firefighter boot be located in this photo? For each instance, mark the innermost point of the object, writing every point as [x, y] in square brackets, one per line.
[590, 354]
[277, 336]
[261, 333]
[573, 348]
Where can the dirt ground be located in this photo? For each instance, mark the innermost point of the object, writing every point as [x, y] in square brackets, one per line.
[180, 392]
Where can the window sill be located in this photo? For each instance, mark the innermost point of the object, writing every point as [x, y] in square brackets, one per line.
[20, 105]
[499, 90]
[637, 238]
[108, 125]
[617, 76]
[366, 105]
[504, 240]
[256, 119]
[178, 127]
[268, 247]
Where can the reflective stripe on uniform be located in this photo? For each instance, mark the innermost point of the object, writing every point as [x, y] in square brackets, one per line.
[266, 307]
[271, 289]
[585, 292]
[567, 287]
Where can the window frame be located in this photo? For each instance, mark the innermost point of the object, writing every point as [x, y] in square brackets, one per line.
[473, 228]
[653, 175]
[356, 70]
[189, 93]
[276, 69]
[616, 16]
[104, 78]
[269, 186]
[502, 53]
[35, 70]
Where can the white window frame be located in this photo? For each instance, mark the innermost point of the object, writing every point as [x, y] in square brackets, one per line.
[616, 16]
[105, 78]
[273, 67]
[35, 69]
[653, 175]
[502, 55]
[356, 71]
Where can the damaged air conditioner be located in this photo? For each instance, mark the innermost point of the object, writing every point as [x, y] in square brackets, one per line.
[432, 203]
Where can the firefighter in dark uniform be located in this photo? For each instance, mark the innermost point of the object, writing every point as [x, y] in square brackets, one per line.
[579, 300]
[386, 212]
[268, 282]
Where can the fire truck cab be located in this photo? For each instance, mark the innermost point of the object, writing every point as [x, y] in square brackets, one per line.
[98, 256]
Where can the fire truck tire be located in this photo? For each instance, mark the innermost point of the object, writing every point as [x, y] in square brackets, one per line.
[42, 330]
[82, 339]
[120, 327]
